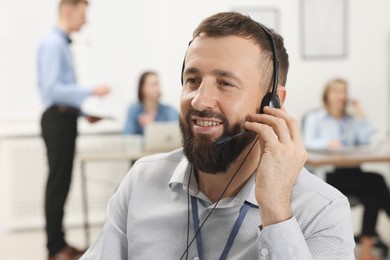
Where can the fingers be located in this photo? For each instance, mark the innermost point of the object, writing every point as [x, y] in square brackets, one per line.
[291, 123]
[284, 126]
[269, 127]
[101, 90]
[264, 131]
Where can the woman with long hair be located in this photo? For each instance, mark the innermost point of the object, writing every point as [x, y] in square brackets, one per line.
[148, 109]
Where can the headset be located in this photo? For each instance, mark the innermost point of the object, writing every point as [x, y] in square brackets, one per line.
[270, 99]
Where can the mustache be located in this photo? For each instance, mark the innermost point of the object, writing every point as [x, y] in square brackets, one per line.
[206, 113]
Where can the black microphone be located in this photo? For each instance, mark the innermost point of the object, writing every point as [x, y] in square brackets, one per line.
[225, 140]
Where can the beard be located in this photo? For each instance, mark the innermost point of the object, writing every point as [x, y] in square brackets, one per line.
[203, 153]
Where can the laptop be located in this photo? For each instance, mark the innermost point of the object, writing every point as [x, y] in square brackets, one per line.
[162, 137]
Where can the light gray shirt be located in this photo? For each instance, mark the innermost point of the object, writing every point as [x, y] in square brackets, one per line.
[319, 128]
[147, 218]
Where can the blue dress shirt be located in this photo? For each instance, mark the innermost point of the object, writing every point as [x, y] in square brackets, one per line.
[56, 75]
[132, 126]
[319, 128]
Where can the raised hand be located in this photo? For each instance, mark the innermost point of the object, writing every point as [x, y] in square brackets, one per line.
[282, 158]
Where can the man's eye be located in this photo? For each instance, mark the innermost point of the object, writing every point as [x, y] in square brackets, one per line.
[225, 84]
[191, 81]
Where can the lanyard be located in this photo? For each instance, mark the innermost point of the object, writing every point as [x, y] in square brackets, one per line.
[243, 211]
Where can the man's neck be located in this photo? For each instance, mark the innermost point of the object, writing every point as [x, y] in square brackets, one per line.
[212, 185]
[63, 25]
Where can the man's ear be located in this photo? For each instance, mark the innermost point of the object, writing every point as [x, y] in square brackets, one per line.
[281, 93]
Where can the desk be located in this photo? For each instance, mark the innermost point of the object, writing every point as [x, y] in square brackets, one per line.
[347, 159]
[321, 162]
[84, 158]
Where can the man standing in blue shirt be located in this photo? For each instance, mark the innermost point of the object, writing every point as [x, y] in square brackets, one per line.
[62, 98]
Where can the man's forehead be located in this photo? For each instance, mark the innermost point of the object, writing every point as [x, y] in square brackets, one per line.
[204, 40]
[233, 50]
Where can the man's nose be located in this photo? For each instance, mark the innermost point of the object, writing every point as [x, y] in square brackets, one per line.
[205, 97]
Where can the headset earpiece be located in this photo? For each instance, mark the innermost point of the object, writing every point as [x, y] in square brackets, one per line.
[276, 102]
[269, 100]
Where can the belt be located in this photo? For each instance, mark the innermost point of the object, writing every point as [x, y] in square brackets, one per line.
[64, 109]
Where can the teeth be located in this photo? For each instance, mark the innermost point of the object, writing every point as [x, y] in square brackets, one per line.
[206, 123]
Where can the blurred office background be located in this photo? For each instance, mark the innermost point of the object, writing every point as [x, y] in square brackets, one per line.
[124, 38]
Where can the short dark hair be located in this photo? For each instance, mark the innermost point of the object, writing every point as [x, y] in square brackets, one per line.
[233, 23]
[141, 84]
[72, 2]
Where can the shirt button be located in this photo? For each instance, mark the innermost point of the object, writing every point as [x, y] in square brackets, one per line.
[264, 251]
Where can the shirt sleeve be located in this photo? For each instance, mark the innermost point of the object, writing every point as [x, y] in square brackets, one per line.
[172, 114]
[54, 88]
[364, 131]
[311, 139]
[131, 124]
[166, 114]
[328, 236]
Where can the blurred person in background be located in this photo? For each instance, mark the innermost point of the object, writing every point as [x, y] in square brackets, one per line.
[341, 124]
[148, 109]
[62, 98]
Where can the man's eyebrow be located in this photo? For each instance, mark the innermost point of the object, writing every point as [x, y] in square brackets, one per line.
[227, 74]
[191, 70]
[218, 72]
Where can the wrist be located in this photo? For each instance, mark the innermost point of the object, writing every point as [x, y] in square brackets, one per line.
[274, 214]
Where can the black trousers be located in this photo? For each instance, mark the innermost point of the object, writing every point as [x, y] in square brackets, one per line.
[59, 131]
[369, 187]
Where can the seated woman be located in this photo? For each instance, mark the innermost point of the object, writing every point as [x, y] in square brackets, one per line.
[334, 128]
[148, 109]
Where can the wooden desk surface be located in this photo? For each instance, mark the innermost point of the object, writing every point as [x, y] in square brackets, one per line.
[348, 159]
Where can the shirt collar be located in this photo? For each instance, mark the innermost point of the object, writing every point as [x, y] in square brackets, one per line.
[249, 191]
[182, 173]
[64, 35]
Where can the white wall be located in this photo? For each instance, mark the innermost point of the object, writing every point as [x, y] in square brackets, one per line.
[125, 37]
